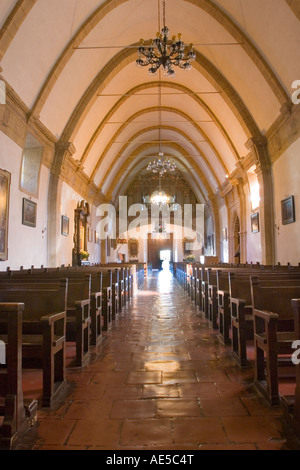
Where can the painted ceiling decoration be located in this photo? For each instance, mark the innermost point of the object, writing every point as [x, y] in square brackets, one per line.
[73, 64]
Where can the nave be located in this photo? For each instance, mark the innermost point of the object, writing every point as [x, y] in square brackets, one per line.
[161, 380]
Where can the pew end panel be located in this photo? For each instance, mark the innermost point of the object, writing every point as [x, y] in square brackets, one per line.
[18, 414]
[43, 332]
[241, 329]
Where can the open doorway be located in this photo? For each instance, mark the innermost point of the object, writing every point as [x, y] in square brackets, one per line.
[156, 245]
[165, 258]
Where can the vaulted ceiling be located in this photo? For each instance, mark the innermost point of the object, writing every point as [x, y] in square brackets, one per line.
[72, 62]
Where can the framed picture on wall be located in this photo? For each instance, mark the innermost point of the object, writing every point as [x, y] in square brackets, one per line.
[133, 247]
[255, 222]
[29, 213]
[288, 210]
[65, 226]
[5, 179]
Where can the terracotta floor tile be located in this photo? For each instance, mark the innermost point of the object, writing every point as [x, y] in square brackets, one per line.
[159, 380]
[133, 409]
[223, 407]
[250, 429]
[130, 366]
[144, 378]
[54, 431]
[229, 447]
[58, 448]
[96, 432]
[179, 377]
[160, 391]
[150, 432]
[178, 408]
[81, 378]
[89, 392]
[258, 407]
[198, 390]
[166, 366]
[114, 378]
[83, 409]
[198, 431]
[128, 391]
[232, 389]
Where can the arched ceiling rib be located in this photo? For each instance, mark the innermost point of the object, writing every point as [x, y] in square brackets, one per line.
[168, 132]
[50, 59]
[219, 164]
[209, 114]
[133, 166]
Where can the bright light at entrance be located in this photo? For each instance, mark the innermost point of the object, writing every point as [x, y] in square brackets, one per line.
[165, 257]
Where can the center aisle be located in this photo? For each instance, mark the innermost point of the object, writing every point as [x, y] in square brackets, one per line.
[161, 381]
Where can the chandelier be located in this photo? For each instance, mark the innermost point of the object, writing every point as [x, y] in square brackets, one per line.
[165, 53]
[162, 165]
[160, 198]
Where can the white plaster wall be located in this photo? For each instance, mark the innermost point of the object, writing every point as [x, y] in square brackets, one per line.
[254, 246]
[286, 175]
[224, 225]
[26, 246]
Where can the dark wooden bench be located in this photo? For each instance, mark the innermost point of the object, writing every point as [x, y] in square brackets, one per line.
[224, 316]
[241, 306]
[44, 330]
[78, 327]
[18, 414]
[212, 298]
[273, 333]
[107, 299]
[95, 298]
[292, 403]
[241, 316]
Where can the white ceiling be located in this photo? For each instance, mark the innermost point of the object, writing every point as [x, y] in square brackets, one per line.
[69, 61]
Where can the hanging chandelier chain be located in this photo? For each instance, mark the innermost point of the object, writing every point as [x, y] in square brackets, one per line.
[165, 53]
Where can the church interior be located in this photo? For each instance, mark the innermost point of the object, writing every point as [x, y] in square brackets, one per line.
[149, 225]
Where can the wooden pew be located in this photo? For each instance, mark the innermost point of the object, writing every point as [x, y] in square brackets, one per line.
[204, 292]
[241, 306]
[18, 415]
[78, 326]
[212, 298]
[292, 403]
[241, 316]
[224, 317]
[95, 298]
[273, 333]
[107, 299]
[44, 330]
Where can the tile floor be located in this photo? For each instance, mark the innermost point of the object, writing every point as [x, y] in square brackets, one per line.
[161, 380]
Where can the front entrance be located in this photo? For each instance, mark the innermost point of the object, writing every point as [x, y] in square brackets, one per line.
[159, 250]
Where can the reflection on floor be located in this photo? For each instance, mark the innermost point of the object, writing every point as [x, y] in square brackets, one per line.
[161, 380]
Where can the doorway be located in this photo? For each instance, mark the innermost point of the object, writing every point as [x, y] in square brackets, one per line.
[165, 258]
[156, 246]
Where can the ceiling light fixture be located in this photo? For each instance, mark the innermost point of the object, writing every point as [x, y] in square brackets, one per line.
[165, 53]
[161, 165]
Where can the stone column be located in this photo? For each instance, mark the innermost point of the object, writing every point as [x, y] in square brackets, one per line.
[259, 149]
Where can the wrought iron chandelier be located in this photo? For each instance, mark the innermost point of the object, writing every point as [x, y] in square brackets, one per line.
[165, 53]
[162, 165]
